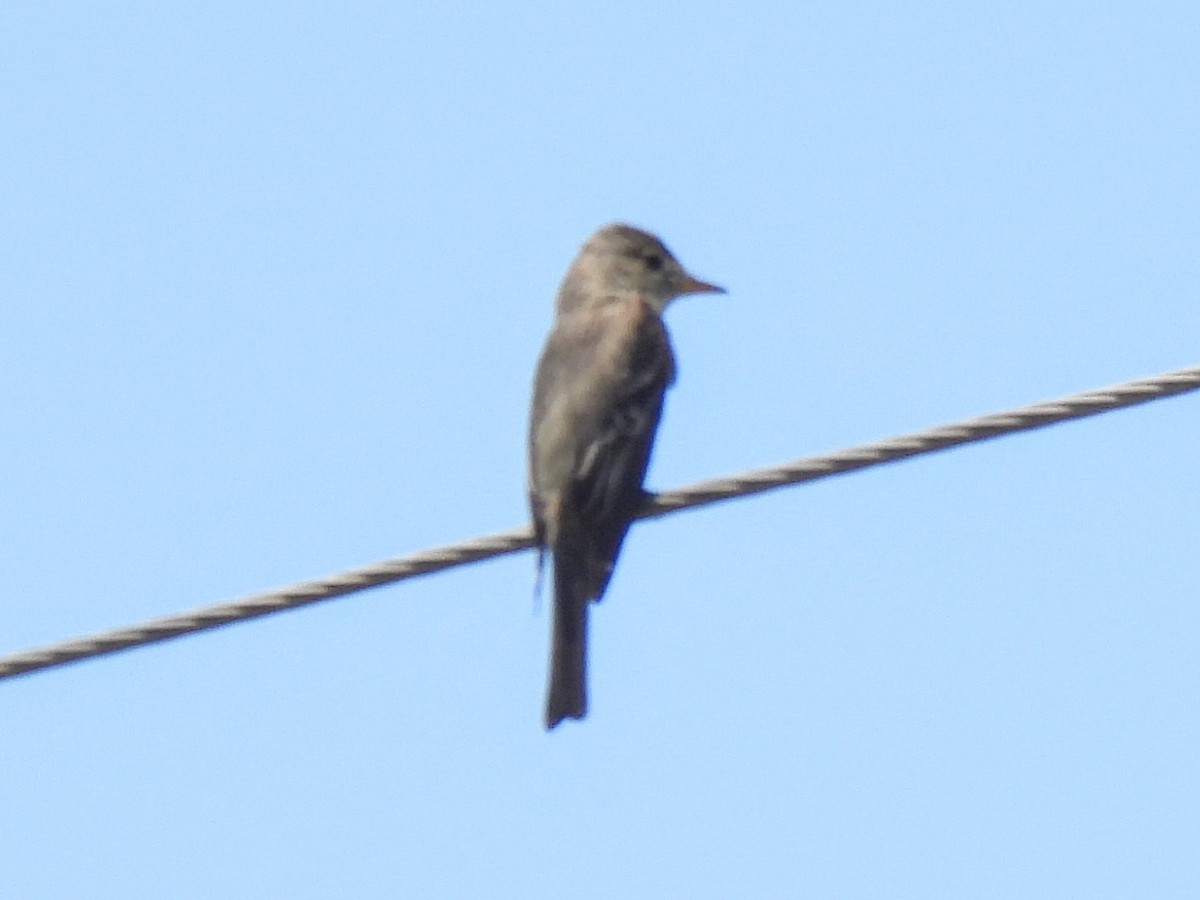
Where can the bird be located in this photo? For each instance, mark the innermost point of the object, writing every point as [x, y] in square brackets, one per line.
[597, 400]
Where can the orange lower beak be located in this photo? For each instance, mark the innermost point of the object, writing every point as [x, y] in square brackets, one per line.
[696, 286]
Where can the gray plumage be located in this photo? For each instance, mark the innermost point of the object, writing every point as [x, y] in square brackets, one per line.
[597, 400]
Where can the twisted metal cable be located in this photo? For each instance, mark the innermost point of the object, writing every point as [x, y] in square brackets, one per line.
[1076, 406]
[941, 437]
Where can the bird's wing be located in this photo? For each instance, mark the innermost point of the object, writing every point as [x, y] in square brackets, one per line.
[598, 400]
[611, 465]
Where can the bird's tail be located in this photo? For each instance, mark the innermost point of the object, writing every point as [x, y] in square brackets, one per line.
[566, 697]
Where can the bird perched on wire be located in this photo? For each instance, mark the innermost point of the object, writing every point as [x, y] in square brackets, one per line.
[597, 399]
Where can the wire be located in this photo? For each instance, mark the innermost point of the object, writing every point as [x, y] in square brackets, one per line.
[1076, 406]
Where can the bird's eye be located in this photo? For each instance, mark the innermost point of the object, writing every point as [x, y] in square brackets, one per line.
[654, 262]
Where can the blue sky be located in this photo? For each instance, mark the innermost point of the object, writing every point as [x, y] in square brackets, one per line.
[274, 282]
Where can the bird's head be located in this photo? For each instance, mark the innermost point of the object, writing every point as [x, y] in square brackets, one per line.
[620, 259]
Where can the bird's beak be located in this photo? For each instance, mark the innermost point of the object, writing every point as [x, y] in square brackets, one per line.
[696, 286]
